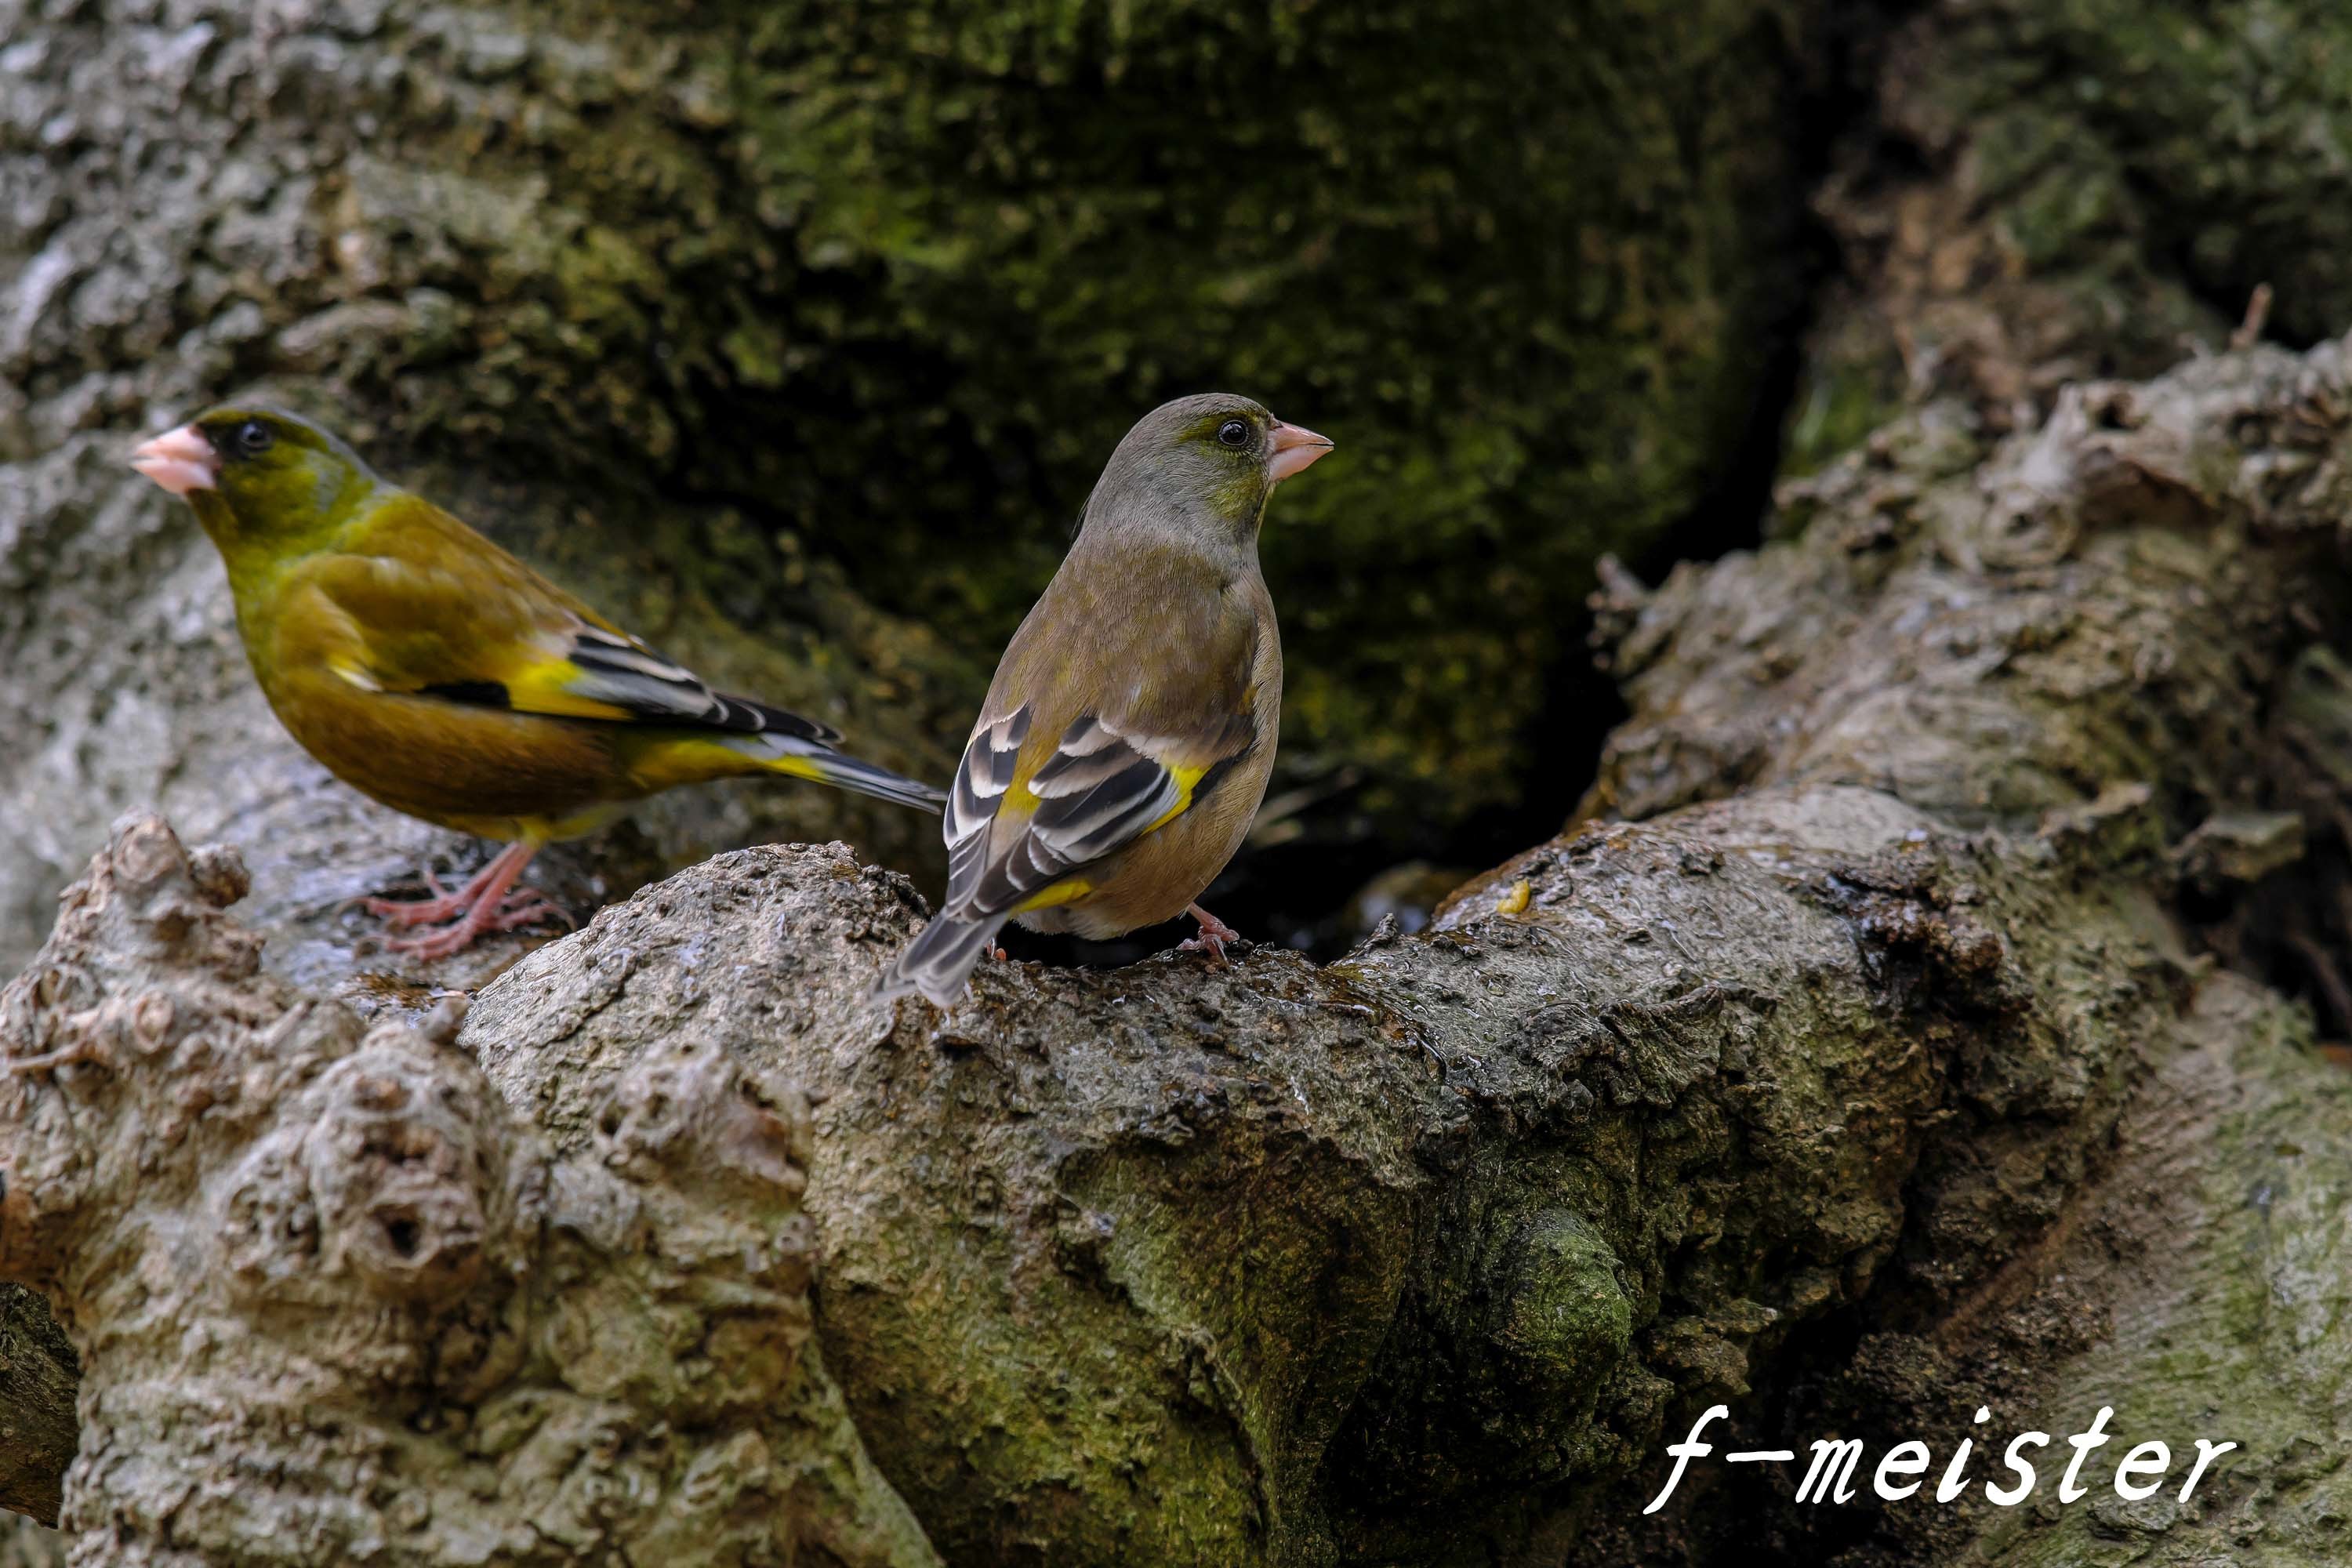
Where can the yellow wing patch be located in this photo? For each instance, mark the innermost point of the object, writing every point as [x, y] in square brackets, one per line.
[544, 686]
[1069, 890]
[1186, 779]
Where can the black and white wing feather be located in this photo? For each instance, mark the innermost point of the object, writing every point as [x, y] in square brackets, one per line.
[615, 668]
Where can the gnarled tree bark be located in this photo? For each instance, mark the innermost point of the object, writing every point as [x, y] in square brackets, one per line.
[337, 1303]
[1902, 1029]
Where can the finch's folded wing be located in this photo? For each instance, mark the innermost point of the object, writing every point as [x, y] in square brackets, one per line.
[467, 623]
[1019, 842]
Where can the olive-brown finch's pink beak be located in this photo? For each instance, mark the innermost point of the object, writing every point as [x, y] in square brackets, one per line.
[1294, 450]
[179, 460]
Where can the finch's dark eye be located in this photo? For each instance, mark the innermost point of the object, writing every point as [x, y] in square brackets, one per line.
[1233, 433]
[253, 438]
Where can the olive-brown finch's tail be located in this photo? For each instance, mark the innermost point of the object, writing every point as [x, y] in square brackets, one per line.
[940, 960]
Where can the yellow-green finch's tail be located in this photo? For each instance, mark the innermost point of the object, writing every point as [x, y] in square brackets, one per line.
[809, 759]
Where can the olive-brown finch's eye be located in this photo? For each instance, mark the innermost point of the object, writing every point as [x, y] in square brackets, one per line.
[253, 438]
[1233, 433]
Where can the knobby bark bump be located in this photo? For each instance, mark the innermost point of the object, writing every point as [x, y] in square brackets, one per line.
[336, 1303]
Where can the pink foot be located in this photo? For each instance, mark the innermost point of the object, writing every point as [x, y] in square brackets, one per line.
[402, 914]
[489, 902]
[444, 904]
[514, 913]
[1212, 936]
[528, 906]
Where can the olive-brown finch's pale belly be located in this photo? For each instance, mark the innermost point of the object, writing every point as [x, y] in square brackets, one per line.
[475, 769]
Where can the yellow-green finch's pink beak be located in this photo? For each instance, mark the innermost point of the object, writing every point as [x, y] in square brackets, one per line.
[1294, 450]
[179, 460]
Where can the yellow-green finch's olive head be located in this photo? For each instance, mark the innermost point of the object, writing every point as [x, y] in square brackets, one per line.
[256, 475]
[1205, 465]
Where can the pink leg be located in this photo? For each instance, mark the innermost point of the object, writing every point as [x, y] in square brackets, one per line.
[1213, 934]
[487, 903]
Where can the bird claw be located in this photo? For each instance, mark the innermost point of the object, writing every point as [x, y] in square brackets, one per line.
[526, 906]
[523, 907]
[1212, 937]
[440, 943]
[1205, 942]
[489, 902]
[402, 914]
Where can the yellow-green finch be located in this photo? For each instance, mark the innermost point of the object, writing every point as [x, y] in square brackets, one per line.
[1126, 741]
[432, 671]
